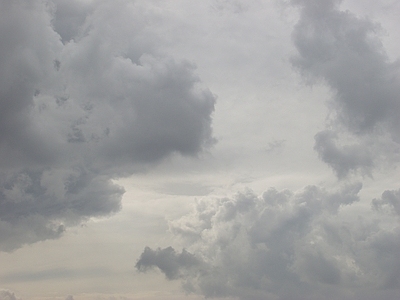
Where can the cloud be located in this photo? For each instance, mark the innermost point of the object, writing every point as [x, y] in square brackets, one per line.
[390, 199]
[7, 295]
[55, 274]
[313, 243]
[342, 159]
[173, 265]
[275, 145]
[87, 96]
[346, 53]
[285, 245]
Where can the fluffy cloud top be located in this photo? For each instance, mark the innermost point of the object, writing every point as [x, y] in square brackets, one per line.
[285, 245]
[82, 105]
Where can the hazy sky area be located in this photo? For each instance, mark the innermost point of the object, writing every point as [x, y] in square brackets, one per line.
[183, 149]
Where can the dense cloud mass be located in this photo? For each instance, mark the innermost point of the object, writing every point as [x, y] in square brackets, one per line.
[314, 243]
[85, 98]
[89, 94]
[285, 245]
[346, 53]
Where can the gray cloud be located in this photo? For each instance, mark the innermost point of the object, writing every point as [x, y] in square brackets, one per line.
[7, 295]
[390, 200]
[346, 53]
[275, 146]
[87, 96]
[342, 159]
[314, 243]
[173, 265]
[70, 16]
[285, 245]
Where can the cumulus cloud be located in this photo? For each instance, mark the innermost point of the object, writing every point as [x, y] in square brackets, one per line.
[314, 243]
[86, 97]
[285, 245]
[346, 53]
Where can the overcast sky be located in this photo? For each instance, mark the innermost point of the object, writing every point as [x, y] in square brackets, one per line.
[176, 149]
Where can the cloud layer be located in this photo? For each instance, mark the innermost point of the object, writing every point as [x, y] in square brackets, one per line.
[82, 105]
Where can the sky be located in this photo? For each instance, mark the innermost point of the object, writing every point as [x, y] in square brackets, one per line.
[222, 149]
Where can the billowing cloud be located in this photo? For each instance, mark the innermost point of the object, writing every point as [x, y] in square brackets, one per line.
[82, 105]
[285, 245]
[316, 243]
[346, 53]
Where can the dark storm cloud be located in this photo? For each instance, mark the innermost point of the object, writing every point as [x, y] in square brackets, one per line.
[86, 97]
[285, 245]
[346, 52]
